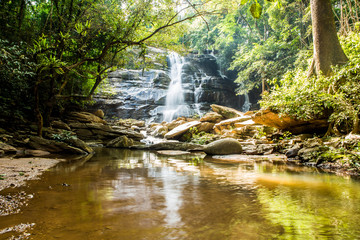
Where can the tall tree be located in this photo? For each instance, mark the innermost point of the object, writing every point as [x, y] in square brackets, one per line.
[327, 49]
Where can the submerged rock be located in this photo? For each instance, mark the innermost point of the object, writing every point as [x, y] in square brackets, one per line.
[171, 145]
[223, 147]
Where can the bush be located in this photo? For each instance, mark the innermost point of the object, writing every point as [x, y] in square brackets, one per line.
[16, 72]
[336, 98]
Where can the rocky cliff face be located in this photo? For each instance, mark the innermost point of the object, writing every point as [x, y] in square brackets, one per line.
[142, 94]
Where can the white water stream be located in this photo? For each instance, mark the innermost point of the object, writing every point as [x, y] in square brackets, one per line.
[175, 105]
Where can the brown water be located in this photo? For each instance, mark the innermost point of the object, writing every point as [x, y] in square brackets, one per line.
[123, 194]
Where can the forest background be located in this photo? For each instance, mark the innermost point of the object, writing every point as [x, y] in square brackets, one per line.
[55, 53]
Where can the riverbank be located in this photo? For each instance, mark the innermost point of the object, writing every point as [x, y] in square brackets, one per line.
[14, 172]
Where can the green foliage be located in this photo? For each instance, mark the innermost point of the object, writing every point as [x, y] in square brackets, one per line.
[193, 135]
[16, 75]
[63, 136]
[335, 97]
[257, 40]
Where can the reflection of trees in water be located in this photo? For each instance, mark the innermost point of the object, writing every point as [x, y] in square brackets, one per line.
[317, 206]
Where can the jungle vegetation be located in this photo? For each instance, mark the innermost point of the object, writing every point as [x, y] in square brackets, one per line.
[55, 53]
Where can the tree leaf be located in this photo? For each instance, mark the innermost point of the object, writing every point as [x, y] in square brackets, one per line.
[243, 2]
[256, 10]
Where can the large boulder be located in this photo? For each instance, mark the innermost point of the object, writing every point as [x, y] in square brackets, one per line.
[120, 142]
[60, 125]
[206, 127]
[223, 147]
[212, 117]
[230, 123]
[286, 123]
[99, 131]
[180, 130]
[226, 112]
[6, 148]
[54, 146]
[84, 117]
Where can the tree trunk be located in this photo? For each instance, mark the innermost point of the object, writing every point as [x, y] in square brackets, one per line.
[327, 49]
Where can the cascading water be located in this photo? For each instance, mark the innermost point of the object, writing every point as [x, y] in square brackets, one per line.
[247, 103]
[175, 104]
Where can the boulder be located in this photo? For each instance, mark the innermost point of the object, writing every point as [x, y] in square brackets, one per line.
[91, 131]
[120, 142]
[223, 147]
[171, 145]
[226, 112]
[60, 125]
[212, 117]
[180, 130]
[99, 113]
[206, 127]
[245, 123]
[36, 153]
[159, 131]
[6, 148]
[173, 124]
[53, 146]
[286, 123]
[130, 122]
[78, 143]
[84, 117]
[309, 154]
[226, 124]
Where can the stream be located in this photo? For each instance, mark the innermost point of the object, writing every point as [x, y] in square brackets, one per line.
[132, 194]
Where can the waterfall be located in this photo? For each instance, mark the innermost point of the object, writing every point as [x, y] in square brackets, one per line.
[175, 104]
[247, 104]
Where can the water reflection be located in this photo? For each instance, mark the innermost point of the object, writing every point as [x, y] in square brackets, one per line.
[122, 194]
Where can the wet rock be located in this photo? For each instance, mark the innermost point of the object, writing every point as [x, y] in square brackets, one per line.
[159, 131]
[212, 117]
[130, 122]
[36, 153]
[292, 152]
[53, 146]
[60, 125]
[173, 152]
[179, 121]
[6, 148]
[78, 143]
[99, 113]
[84, 117]
[206, 127]
[230, 123]
[286, 123]
[266, 149]
[180, 130]
[171, 145]
[223, 147]
[226, 112]
[120, 142]
[91, 131]
[311, 154]
[313, 142]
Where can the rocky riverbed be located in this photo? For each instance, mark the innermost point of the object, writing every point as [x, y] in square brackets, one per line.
[221, 131]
